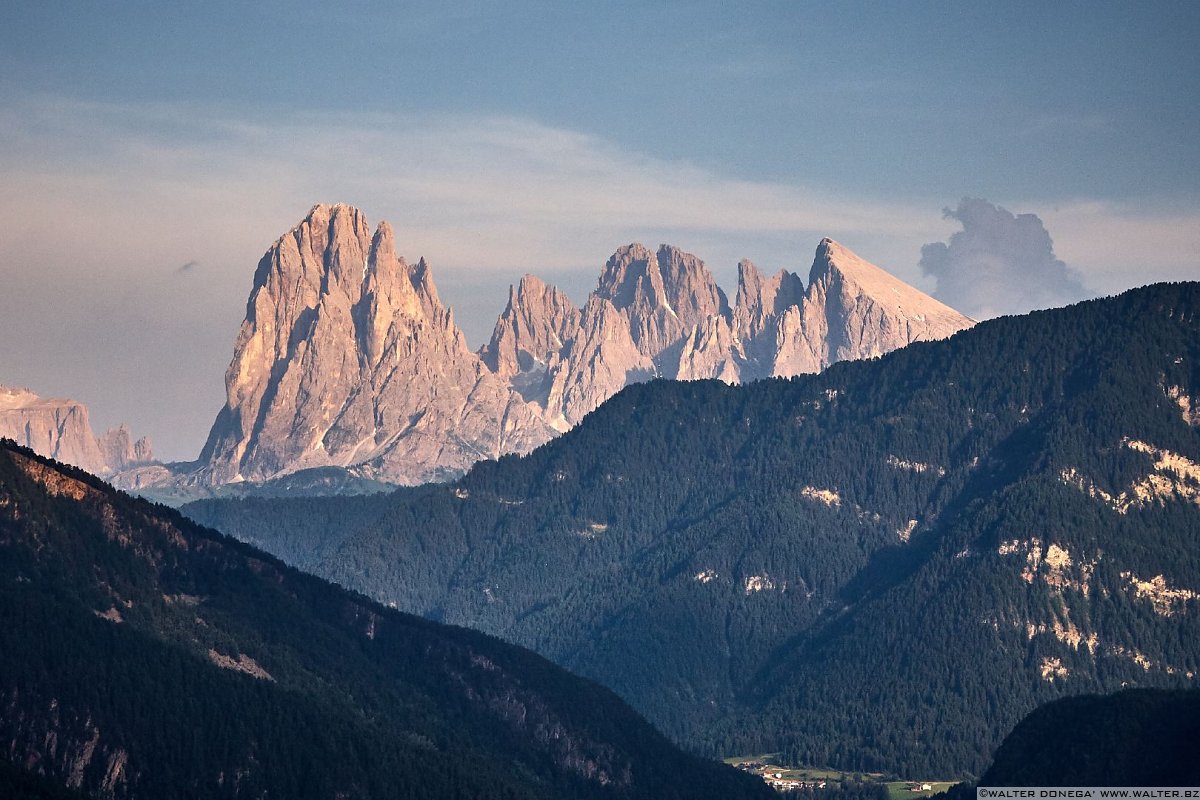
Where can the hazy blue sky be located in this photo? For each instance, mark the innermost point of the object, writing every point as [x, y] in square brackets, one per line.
[501, 138]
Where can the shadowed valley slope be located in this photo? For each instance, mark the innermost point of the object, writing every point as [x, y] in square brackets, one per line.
[883, 566]
[142, 656]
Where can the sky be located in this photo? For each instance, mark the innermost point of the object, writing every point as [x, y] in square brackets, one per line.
[1003, 157]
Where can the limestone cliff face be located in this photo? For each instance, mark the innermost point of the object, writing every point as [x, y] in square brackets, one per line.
[121, 452]
[601, 359]
[663, 295]
[645, 305]
[661, 314]
[761, 302]
[348, 358]
[530, 334]
[866, 311]
[711, 350]
[61, 429]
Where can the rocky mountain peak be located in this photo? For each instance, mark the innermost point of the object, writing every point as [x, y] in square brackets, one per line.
[121, 452]
[336, 236]
[61, 429]
[383, 248]
[691, 289]
[348, 358]
[832, 259]
[535, 326]
[835, 265]
[631, 277]
[853, 309]
[600, 360]
[421, 278]
[530, 289]
[760, 298]
[663, 295]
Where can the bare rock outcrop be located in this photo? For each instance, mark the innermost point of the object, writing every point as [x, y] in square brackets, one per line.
[61, 429]
[711, 350]
[600, 360]
[348, 358]
[121, 452]
[663, 295]
[867, 311]
[661, 314]
[528, 341]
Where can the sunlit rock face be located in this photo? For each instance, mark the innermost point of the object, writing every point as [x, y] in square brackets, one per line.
[661, 314]
[852, 309]
[61, 429]
[348, 358]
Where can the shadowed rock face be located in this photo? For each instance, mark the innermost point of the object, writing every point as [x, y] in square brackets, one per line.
[117, 615]
[61, 429]
[348, 358]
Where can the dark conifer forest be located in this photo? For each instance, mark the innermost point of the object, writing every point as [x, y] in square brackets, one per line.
[881, 567]
[142, 656]
[1136, 737]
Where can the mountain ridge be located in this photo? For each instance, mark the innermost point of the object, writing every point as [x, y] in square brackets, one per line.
[347, 357]
[62, 429]
[807, 565]
[144, 656]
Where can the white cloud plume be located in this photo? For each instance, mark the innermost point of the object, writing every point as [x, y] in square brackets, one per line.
[999, 263]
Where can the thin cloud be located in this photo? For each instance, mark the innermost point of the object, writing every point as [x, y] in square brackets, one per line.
[1119, 245]
[999, 263]
[485, 199]
[490, 192]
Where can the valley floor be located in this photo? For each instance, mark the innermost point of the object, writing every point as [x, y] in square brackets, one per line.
[790, 778]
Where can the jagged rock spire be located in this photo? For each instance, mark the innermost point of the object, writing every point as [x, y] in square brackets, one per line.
[61, 429]
[660, 313]
[347, 356]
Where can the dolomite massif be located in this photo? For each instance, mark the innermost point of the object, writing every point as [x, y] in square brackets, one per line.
[348, 358]
[61, 429]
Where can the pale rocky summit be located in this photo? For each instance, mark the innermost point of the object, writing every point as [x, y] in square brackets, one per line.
[853, 309]
[531, 327]
[598, 361]
[121, 452]
[663, 295]
[661, 314]
[61, 429]
[348, 358]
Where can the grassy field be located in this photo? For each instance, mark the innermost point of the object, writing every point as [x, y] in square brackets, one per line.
[897, 789]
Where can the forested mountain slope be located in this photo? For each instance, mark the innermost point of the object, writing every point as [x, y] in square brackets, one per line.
[142, 656]
[882, 566]
[1138, 737]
